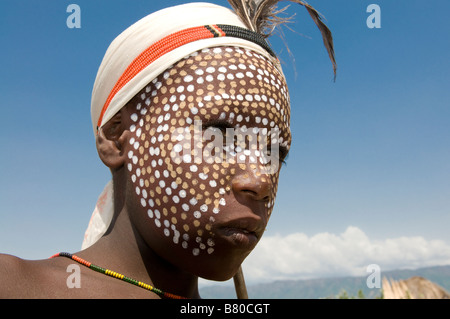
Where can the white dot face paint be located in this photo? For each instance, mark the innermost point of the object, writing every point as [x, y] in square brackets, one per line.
[184, 201]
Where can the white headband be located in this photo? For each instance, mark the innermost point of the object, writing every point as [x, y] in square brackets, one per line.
[135, 40]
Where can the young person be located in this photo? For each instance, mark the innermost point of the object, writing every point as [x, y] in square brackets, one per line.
[190, 112]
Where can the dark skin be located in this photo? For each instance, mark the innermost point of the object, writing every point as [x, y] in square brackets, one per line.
[47, 278]
[133, 245]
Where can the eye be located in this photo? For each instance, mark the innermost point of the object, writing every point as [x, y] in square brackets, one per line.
[221, 125]
[218, 128]
[283, 154]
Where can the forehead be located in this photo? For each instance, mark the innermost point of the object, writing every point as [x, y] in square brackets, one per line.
[229, 83]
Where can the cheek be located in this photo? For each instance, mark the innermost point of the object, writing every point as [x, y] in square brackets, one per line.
[180, 200]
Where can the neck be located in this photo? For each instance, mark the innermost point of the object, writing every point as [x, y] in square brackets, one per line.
[123, 250]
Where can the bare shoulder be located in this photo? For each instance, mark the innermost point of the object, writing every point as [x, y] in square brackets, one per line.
[54, 278]
[12, 272]
[20, 278]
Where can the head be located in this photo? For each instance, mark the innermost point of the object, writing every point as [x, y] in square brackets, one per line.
[197, 153]
[191, 113]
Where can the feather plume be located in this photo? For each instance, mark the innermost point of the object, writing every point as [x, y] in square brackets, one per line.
[262, 16]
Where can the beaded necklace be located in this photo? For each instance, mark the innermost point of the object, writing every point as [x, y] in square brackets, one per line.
[118, 276]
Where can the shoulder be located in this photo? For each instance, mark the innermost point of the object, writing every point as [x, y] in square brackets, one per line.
[60, 278]
[12, 272]
[20, 278]
[11, 268]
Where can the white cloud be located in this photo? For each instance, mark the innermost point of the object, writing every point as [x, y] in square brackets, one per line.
[297, 256]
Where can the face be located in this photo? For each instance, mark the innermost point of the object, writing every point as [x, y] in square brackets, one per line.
[201, 166]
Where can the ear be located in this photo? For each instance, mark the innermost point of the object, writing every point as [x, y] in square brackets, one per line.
[110, 142]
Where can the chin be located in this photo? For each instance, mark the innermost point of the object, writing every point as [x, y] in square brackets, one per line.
[217, 267]
[222, 274]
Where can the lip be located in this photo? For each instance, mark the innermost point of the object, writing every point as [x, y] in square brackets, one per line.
[242, 232]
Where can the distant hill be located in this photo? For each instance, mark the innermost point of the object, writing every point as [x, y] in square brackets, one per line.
[327, 287]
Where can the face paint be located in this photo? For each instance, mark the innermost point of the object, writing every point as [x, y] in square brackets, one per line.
[182, 177]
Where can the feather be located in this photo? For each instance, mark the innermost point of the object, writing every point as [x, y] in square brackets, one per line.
[242, 7]
[262, 16]
[326, 33]
[257, 14]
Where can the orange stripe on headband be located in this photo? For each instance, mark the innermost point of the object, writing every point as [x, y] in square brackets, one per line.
[173, 41]
[217, 30]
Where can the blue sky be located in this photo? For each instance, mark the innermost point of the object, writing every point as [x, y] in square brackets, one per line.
[371, 151]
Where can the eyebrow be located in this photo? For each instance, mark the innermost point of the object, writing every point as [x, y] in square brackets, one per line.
[225, 123]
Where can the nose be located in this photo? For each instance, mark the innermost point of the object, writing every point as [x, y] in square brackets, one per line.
[252, 184]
